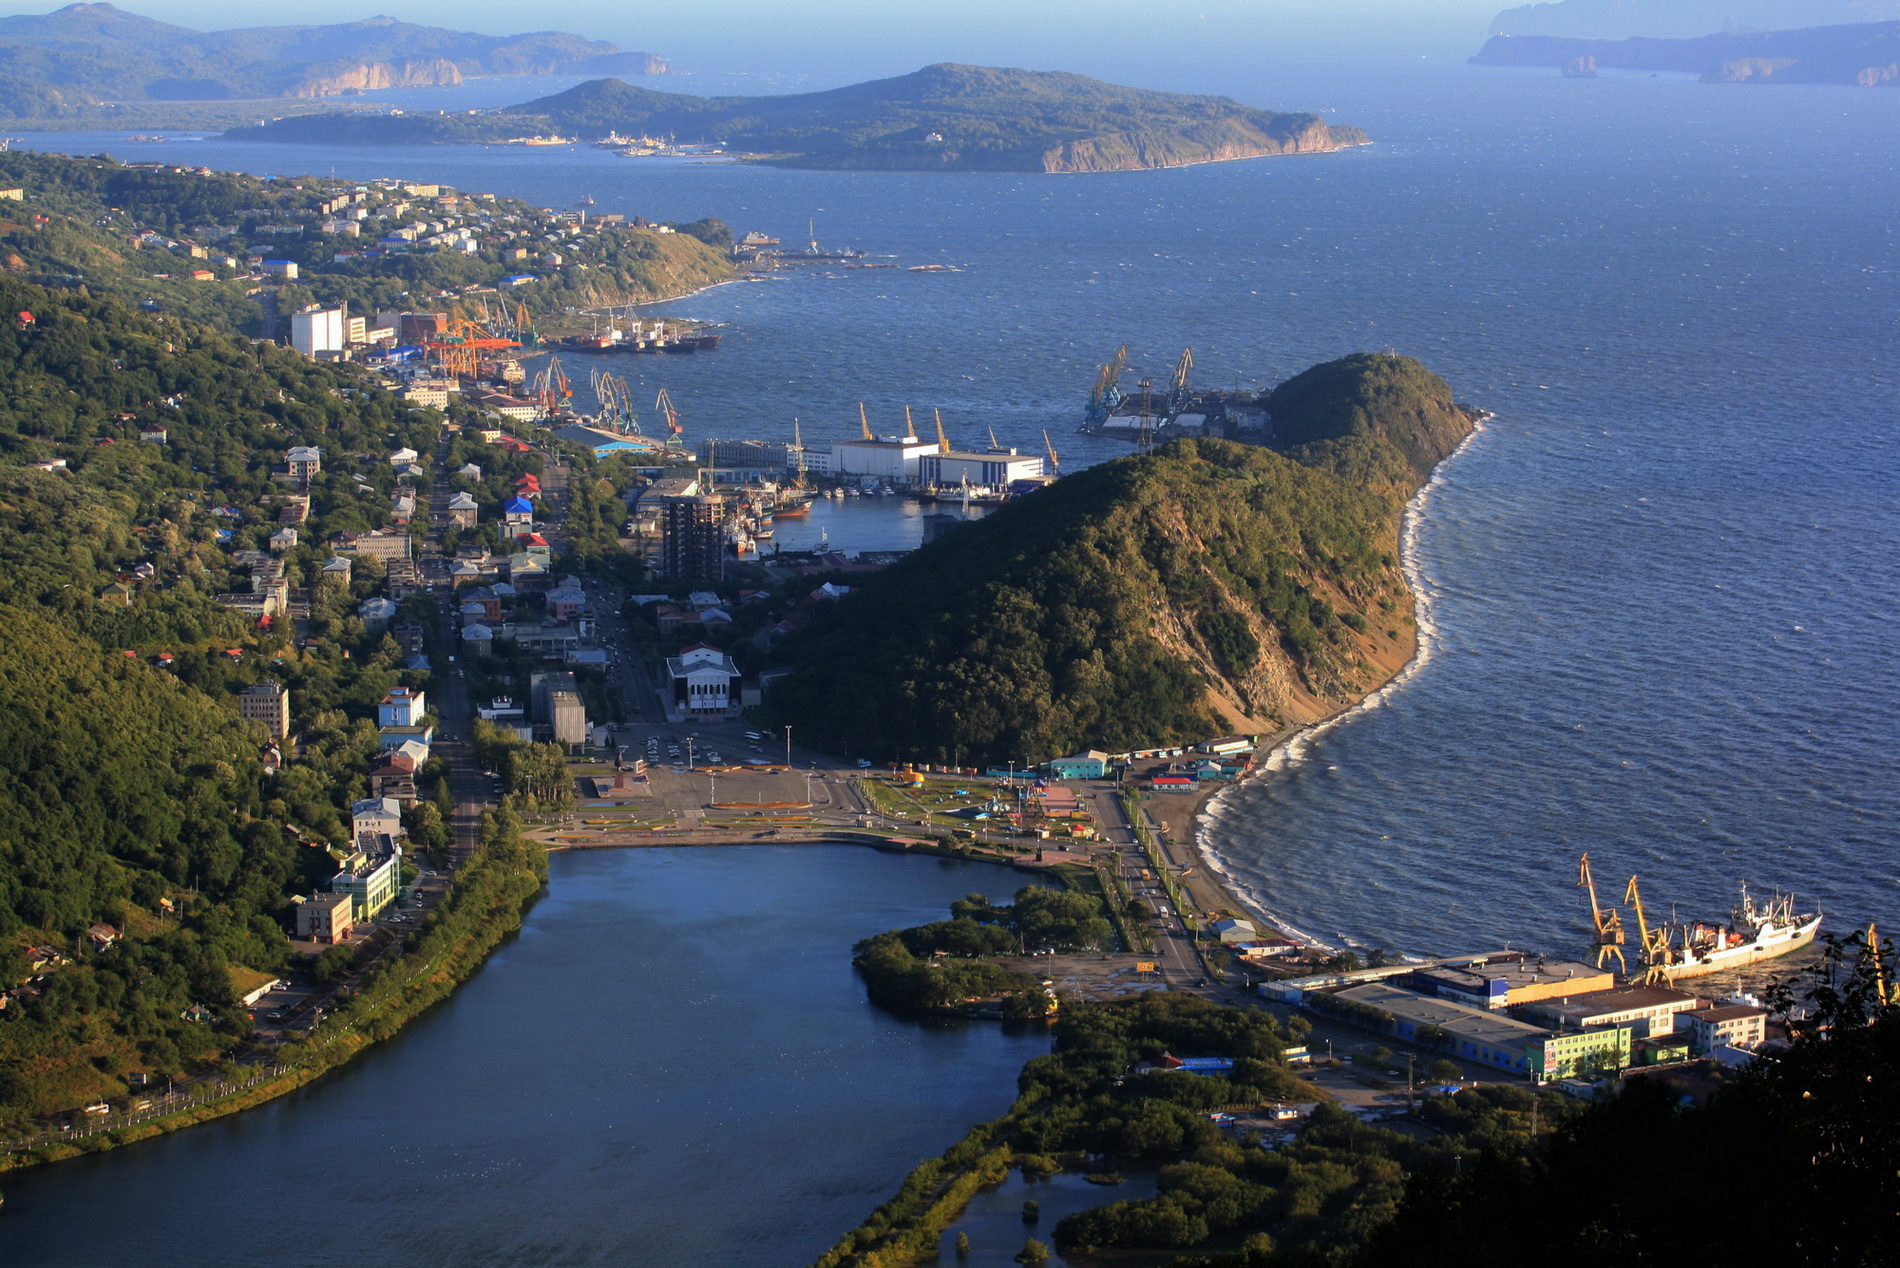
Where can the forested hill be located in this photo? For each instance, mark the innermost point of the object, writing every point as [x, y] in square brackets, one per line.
[941, 118]
[131, 794]
[75, 59]
[1209, 587]
[1865, 54]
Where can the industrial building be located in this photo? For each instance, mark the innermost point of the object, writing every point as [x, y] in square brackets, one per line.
[891, 458]
[317, 330]
[991, 470]
[1488, 1038]
[600, 442]
[1647, 1010]
[1497, 982]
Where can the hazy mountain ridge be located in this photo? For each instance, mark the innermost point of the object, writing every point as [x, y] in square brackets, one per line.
[1867, 54]
[945, 117]
[63, 63]
[1683, 19]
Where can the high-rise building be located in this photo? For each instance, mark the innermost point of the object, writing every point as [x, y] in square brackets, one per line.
[268, 702]
[569, 717]
[693, 538]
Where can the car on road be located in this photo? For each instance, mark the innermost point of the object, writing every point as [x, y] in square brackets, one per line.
[864, 763]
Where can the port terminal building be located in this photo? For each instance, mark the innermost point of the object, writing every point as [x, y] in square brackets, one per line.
[1485, 1037]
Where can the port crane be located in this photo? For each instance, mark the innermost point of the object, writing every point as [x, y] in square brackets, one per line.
[1055, 463]
[1655, 942]
[1107, 393]
[1609, 921]
[798, 452]
[864, 423]
[1181, 369]
[910, 427]
[995, 445]
[552, 389]
[664, 403]
[943, 441]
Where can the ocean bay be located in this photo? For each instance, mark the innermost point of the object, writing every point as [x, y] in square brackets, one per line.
[1657, 577]
[1660, 582]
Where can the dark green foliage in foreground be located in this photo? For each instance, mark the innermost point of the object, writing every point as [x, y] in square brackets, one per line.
[1097, 612]
[941, 118]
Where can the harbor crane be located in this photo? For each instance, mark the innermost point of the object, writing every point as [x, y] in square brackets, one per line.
[1655, 943]
[910, 427]
[1181, 369]
[1055, 463]
[552, 389]
[798, 452]
[995, 445]
[1107, 394]
[943, 441]
[664, 403]
[1609, 921]
[864, 423]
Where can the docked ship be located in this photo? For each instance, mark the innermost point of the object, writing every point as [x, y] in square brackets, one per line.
[1673, 950]
[1755, 931]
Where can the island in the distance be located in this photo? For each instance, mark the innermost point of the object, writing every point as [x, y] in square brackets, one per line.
[941, 118]
[1863, 53]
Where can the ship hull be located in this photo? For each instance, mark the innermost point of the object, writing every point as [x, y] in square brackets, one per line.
[1781, 942]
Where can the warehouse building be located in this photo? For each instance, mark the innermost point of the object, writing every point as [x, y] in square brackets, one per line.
[1488, 1038]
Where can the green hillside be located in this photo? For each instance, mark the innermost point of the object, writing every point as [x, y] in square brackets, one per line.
[1211, 586]
[130, 792]
[941, 118]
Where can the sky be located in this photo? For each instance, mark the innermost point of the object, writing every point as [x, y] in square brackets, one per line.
[836, 41]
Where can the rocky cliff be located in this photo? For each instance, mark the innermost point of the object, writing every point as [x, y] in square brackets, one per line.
[1865, 54]
[423, 72]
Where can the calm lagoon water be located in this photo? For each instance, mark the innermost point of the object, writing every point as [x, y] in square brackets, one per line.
[673, 1064]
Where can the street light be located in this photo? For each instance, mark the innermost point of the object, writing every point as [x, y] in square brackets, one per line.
[788, 746]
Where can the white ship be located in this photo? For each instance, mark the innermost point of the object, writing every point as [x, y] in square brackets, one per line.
[1756, 931]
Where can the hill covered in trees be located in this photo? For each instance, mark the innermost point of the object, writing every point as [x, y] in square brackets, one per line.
[1209, 587]
[1866, 54]
[72, 61]
[941, 118]
[131, 793]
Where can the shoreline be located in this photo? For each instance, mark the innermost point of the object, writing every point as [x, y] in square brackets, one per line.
[1188, 827]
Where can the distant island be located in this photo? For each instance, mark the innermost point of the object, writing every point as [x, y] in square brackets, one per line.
[1866, 54]
[78, 59]
[941, 118]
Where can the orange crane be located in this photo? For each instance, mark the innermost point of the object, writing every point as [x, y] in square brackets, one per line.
[1608, 921]
[910, 427]
[943, 441]
[1655, 944]
[1055, 463]
[664, 403]
[864, 423]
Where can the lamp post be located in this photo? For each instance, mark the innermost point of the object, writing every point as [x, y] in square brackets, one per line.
[788, 746]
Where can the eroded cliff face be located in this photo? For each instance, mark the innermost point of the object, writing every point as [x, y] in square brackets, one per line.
[1126, 151]
[419, 72]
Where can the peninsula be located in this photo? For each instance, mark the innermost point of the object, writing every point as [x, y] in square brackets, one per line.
[78, 60]
[1866, 54]
[941, 118]
[1211, 587]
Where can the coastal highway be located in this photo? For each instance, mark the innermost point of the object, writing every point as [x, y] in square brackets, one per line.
[1175, 959]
